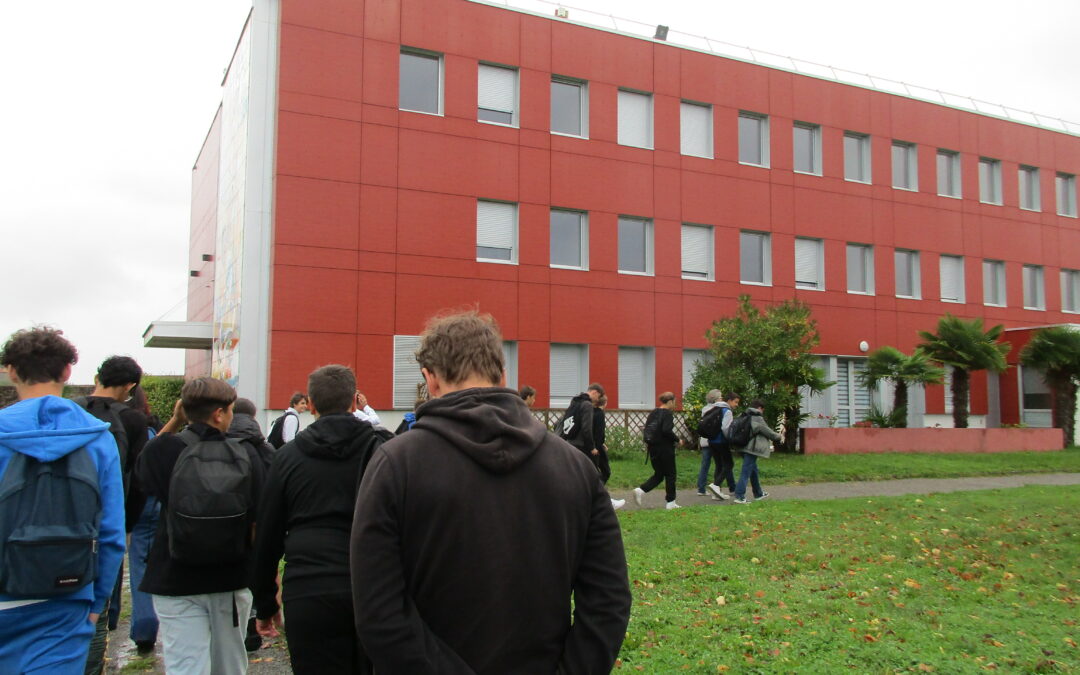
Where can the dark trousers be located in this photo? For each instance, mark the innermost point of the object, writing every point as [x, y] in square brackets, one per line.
[725, 465]
[321, 634]
[602, 465]
[663, 464]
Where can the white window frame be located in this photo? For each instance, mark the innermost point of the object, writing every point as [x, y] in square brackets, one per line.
[406, 371]
[944, 262]
[913, 263]
[1070, 288]
[698, 231]
[814, 131]
[497, 70]
[990, 181]
[482, 210]
[1030, 197]
[949, 175]
[862, 151]
[994, 276]
[866, 251]
[1036, 274]
[910, 174]
[423, 53]
[510, 363]
[706, 143]
[766, 258]
[647, 358]
[583, 243]
[580, 353]
[763, 137]
[583, 105]
[624, 110]
[811, 249]
[1065, 187]
[649, 246]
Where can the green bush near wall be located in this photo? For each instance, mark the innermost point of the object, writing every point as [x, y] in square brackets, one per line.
[161, 393]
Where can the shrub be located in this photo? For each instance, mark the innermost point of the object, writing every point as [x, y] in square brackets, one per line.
[623, 444]
[162, 391]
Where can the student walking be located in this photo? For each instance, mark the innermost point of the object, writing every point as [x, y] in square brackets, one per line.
[719, 450]
[760, 445]
[660, 441]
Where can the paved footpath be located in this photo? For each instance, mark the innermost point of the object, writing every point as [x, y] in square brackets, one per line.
[274, 659]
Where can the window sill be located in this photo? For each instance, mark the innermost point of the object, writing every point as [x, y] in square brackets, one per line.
[992, 304]
[566, 135]
[859, 180]
[868, 294]
[760, 166]
[807, 173]
[686, 278]
[950, 196]
[909, 297]
[905, 189]
[690, 154]
[809, 288]
[636, 274]
[496, 262]
[954, 302]
[1035, 309]
[498, 124]
[421, 112]
[754, 283]
[639, 147]
[1067, 215]
[568, 267]
[990, 203]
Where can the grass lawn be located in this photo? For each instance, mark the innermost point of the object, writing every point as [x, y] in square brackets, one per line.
[950, 583]
[791, 469]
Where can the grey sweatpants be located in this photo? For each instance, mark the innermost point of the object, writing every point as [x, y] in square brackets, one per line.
[198, 632]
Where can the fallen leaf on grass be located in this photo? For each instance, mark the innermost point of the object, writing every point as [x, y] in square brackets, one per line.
[911, 583]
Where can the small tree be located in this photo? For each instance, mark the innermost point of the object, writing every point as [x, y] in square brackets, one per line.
[892, 365]
[1056, 352]
[765, 355]
[964, 345]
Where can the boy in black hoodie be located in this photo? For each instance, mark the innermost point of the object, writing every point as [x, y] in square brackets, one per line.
[306, 515]
[474, 530]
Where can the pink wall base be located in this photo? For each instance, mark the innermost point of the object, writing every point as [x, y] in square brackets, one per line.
[848, 441]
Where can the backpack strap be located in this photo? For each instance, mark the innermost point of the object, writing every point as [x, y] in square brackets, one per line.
[189, 437]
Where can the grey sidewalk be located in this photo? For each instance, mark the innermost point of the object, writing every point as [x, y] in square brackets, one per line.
[883, 488]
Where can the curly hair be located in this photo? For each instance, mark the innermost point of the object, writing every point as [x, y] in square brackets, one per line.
[459, 346]
[39, 354]
[119, 370]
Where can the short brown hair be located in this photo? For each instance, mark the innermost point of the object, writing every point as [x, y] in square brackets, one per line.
[297, 398]
[203, 395]
[667, 396]
[459, 346]
[332, 389]
[38, 354]
[598, 388]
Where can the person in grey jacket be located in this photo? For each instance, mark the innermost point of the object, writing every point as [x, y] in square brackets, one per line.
[761, 440]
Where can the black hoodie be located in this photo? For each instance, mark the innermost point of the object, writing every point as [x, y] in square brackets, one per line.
[245, 428]
[307, 509]
[472, 531]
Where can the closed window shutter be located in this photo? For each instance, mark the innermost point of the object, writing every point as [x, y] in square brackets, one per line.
[634, 119]
[631, 376]
[495, 226]
[690, 359]
[566, 373]
[807, 256]
[510, 360]
[496, 88]
[406, 371]
[696, 250]
[947, 383]
[696, 121]
[952, 278]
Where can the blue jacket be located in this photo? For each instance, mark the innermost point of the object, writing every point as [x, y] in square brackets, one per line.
[47, 428]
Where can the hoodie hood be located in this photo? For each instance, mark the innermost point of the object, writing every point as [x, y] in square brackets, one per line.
[491, 425]
[335, 436]
[245, 427]
[47, 428]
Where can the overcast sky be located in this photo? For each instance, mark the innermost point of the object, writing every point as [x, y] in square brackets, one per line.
[105, 107]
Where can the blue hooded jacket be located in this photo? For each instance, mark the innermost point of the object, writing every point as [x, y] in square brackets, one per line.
[49, 427]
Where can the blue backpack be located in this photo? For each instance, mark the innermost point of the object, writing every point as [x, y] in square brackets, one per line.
[50, 515]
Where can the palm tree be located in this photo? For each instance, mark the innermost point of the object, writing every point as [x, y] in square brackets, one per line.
[1056, 352]
[891, 364]
[962, 344]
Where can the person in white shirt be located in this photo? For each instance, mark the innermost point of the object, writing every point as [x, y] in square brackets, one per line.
[291, 424]
[365, 412]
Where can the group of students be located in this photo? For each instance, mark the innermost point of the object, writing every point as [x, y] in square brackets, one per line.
[475, 541]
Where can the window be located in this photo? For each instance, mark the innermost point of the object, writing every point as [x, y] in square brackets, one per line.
[1029, 189]
[695, 126]
[948, 173]
[637, 382]
[496, 95]
[635, 246]
[994, 283]
[635, 119]
[907, 274]
[856, 157]
[1070, 291]
[753, 139]
[407, 375]
[946, 382]
[952, 278]
[420, 83]
[809, 264]
[853, 400]
[807, 147]
[510, 360]
[1034, 290]
[989, 181]
[496, 232]
[569, 239]
[569, 107]
[697, 252]
[569, 373]
[690, 360]
[755, 258]
[1066, 194]
[860, 269]
[905, 165]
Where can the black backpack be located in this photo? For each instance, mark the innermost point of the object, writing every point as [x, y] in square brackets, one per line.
[50, 514]
[109, 411]
[276, 437]
[741, 431]
[569, 425]
[711, 423]
[651, 432]
[210, 501]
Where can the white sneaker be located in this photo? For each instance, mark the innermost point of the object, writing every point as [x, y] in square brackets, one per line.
[639, 494]
[618, 503]
[715, 490]
[672, 505]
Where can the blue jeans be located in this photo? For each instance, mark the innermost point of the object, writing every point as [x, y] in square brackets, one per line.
[703, 473]
[144, 622]
[749, 472]
[721, 454]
